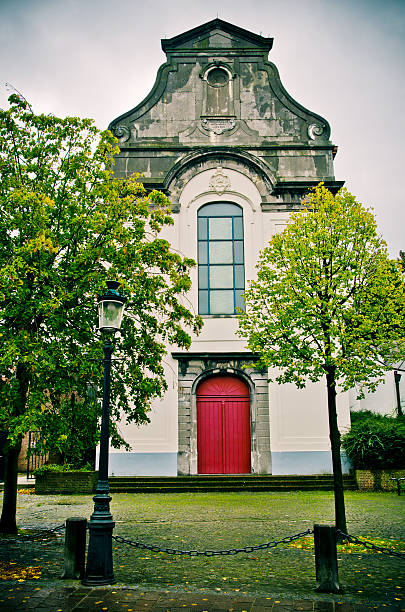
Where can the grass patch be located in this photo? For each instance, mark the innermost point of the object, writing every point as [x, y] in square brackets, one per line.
[307, 543]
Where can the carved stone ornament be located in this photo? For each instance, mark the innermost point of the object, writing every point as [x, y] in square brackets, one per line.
[315, 130]
[122, 133]
[220, 182]
[218, 125]
[223, 366]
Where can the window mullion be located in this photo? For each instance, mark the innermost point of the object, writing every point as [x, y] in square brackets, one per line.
[208, 266]
[233, 265]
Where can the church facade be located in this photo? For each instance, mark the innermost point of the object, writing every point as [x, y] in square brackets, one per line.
[235, 153]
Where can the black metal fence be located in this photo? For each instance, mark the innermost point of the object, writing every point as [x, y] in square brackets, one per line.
[35, 458]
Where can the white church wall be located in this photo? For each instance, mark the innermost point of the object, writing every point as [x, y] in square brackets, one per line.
[218, 335]
[299, 428]
[153, 445]
[383, 400]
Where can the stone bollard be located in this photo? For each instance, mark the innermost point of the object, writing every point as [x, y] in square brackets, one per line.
[75, 548]
[326, 566]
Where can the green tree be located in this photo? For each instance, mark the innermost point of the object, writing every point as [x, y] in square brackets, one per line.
[327, 303]
[66, 225]
[69, 430]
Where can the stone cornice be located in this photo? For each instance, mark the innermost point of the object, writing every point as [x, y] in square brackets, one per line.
[163, 147]
[187, 355]
[253, 41]
[305, 185]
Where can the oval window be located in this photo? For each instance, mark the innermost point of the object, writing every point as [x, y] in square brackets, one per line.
[217, 77]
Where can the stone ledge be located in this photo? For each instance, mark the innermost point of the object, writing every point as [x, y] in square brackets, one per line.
[378, 480]
[66, 483]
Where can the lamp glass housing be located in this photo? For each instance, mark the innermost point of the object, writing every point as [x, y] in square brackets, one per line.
[110, 313]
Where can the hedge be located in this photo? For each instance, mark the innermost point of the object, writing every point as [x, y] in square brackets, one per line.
[375, 442]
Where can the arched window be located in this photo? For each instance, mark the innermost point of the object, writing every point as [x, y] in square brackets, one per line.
[221, 270]
[218, 99]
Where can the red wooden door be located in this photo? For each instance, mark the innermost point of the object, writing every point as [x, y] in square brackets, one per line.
[223, 426]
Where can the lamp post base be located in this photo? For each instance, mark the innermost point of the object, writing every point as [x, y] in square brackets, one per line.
[99, 569]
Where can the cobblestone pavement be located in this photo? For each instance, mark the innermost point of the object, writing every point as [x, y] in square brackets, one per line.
[281, 579]
[84, 599]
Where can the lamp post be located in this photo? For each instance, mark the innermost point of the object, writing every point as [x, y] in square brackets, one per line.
[398, 368]
[397, 379]
[99, 568]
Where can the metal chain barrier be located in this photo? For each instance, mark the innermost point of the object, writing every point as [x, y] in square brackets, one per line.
[370, 545]
[211, 553]
[39, 535]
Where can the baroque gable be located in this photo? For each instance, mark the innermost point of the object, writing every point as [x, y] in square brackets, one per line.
[218, 92]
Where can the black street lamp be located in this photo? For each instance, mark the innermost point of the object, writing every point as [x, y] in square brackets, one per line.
[397, 379]
[99, 568]
[398, 368]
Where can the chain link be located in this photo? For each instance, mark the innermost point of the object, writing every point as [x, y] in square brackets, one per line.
[370, 545]
[211, 553]
[39, 535]
[46, 533]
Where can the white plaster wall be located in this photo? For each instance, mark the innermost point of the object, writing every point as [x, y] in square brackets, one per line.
[383, 400]
[160, 435]
[299, 417]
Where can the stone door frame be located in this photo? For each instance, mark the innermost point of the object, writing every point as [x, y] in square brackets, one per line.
[195, 367]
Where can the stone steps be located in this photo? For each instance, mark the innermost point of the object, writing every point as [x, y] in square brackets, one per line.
[207, 483]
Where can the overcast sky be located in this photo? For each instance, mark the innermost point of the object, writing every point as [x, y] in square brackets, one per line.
[343, 59]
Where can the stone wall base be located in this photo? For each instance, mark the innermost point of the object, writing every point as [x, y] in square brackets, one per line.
[378, 480]
[66, 483]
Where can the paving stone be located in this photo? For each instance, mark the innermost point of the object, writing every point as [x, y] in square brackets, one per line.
[324, 606]
[303, 605]
[80, 600]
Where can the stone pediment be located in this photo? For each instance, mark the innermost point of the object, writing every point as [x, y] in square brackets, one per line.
[216, 91]
[216, 35]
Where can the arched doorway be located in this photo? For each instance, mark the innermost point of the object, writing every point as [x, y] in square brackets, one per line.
[223, 426]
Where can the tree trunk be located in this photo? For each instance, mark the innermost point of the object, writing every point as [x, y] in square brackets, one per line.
[334, 435]
[8, 516]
